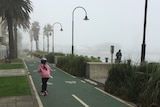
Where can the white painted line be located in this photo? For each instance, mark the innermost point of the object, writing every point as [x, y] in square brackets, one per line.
[114, 97]
[83, 81]
[25, 65]
[92, 82]
[72, 76]
[49, 83]
[54, 70]
[78, 99]
[31, 64]
[70, 82]
[35, 70]
[35, 91]
[51, 76]
[67, 73]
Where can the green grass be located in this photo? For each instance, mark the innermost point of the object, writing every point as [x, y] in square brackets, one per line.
[15, 64]
[14, 86]
[12, 61]
[11, 66]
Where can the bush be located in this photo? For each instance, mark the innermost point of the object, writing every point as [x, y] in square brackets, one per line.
[75, 65]
[50, 57]
[138, 84]
[151, 94]
[121, 76]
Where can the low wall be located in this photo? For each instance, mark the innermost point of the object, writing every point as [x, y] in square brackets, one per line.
[97, 71]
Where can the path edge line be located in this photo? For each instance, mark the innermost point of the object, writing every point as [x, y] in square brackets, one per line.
[115, 97]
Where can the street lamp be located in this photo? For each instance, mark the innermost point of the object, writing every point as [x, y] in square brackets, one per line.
[53, 35]
[86, 18]
[144, 34]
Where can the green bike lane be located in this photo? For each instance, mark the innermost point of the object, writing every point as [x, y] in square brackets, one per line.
[68, 91]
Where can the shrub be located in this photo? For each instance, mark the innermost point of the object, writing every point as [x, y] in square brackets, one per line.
[119, 80]
[139, 84]
[151, 94]
[74, 64]
[50, 57]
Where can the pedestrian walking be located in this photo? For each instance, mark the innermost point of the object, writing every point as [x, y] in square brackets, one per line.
[118, 56]
[45, 70]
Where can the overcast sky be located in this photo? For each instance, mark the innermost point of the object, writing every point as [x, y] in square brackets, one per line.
[111, 22]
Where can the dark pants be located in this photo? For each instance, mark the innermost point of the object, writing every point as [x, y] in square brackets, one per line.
[44, 84]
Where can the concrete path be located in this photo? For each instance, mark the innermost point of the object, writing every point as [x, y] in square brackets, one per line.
[17, 101]
[13, 72]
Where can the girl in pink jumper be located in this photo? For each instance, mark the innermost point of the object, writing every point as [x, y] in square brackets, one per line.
[45, 70]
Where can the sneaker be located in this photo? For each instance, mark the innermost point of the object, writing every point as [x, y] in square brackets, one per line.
[42, 93]
[46, 93]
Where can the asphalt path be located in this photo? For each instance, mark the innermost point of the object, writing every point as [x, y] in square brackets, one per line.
[65, 90]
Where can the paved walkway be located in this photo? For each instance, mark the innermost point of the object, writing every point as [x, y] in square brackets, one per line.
[17, 101]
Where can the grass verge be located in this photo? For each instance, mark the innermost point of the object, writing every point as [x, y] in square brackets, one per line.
[11, 66]
[14, 86]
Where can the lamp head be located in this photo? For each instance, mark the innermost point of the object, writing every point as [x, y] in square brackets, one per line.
[61, 29]
[86, 18]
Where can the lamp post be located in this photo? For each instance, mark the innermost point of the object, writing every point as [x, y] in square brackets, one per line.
[144, 34]
[43, 43]
[86, 18]
[53, 34]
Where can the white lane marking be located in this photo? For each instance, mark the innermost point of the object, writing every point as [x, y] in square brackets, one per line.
[70, 82]
[35, 70]
[73, 76]
[35, 91]
[78, 99]
[48, 83]
[51, 76]
[92, 82]
[83, 81]
[114, 97]
[67, 73]
[25, 65]
[31, 64]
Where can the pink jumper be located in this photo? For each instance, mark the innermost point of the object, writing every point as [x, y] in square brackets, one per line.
[44, 70]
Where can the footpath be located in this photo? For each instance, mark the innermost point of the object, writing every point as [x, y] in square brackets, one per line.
[17, 101]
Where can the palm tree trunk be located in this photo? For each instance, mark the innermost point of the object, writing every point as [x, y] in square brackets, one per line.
[15, 35]
[11, 39]
[37, 47]
[31, 47]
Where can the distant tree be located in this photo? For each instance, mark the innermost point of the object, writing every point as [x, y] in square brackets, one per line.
[35, 28]
[19, 42]
[21, 24]
[47, 30]
[11, 10]
[31, 39]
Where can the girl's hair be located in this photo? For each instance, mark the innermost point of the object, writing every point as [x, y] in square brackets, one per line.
[44, 67]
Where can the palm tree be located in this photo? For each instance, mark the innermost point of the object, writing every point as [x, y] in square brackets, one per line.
[31, 40]
[11, 10]
[21, 24]
[47, 32]
[35, 28]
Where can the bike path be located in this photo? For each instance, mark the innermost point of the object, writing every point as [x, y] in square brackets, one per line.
[68, 91]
